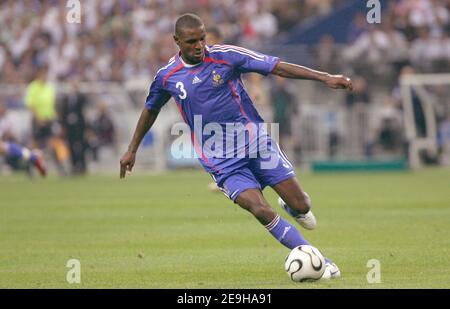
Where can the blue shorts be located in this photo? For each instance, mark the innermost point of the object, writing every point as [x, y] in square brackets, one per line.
[255, 173]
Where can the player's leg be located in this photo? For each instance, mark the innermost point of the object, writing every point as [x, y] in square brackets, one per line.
[254, 202]
[16, 151]
[296, 202]
[242, 188]
[280, 175]
[290, 191]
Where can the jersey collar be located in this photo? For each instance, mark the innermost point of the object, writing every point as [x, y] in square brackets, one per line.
[187, 65]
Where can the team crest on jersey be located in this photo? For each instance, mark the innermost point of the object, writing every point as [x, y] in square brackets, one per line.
[217, 79]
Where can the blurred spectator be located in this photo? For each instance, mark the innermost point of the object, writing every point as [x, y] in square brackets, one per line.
[358, 27]
[284, 109]
[412, 32]
[213, 36]
[369, 52]
[73, 123]
[333, 134]
[101, 132]
[104, 127]
[389, 128]
[430, 54]
[286, 16]
[327, 55]
[429, 13]
[397, 53]
[6, 125]
[264, 22]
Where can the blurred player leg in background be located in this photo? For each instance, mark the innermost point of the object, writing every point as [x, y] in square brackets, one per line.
[17, 152]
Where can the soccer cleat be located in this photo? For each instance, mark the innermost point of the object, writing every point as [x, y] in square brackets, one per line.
[331, 271]
[39, 162]
[307, 220]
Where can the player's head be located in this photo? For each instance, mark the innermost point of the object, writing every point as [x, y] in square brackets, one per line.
[42, 73]
[190, 37]
[213, 36]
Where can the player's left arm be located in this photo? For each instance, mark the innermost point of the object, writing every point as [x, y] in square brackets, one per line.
[289, 70]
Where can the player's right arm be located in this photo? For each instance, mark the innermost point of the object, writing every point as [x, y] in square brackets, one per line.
[156, 98]
[144, 124]
[290, 70]
[245, 60]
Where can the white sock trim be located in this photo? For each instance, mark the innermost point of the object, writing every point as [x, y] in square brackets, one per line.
[273, 223]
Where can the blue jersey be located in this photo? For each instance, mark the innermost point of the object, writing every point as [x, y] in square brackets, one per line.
[212, 89]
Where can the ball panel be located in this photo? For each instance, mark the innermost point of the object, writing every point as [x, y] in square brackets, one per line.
[304, 263]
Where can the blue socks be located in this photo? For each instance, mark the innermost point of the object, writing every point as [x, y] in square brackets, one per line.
[286, 233]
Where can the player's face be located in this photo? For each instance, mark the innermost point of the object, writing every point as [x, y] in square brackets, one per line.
[191, 42]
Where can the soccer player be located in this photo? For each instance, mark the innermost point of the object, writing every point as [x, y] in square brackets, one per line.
[15, 151]
[11, 150]
[206, 81]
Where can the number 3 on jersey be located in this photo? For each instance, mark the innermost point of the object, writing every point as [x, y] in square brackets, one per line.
[183, 94]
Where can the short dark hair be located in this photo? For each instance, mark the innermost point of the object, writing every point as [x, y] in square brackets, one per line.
[188, 20]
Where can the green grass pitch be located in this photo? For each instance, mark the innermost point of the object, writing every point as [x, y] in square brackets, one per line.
[169, 231]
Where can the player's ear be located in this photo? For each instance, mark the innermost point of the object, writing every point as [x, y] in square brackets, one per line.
[176, 39]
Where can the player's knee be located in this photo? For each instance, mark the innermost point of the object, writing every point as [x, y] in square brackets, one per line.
[258, 208]
[301, 203]
[263, 212]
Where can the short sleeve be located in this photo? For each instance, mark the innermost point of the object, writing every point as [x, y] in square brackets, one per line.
[245, 60]
[157, 95]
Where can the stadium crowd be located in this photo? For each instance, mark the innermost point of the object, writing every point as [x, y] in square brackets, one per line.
[117, 40]
[412, 32]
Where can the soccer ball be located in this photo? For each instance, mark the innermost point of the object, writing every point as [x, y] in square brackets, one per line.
[305, 263]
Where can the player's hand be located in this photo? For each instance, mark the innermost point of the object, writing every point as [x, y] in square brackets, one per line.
[127, 163]
[339, 82]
